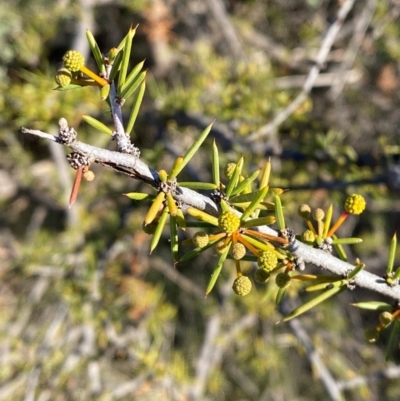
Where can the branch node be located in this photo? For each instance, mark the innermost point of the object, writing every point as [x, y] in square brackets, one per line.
[79, 160]
[67, 134]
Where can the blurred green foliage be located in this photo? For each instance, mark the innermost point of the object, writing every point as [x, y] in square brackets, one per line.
[85, 312]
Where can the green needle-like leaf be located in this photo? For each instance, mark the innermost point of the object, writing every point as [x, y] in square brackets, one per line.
[279, 296]
[105, 91]
[163, 175]
[197, 251]
[324, 278]
[175, 168]
[340, 251]
[280, 218]
[139, 196]
[160, 227]
[194, 148]
[116, 66]
[125, 58]
[394, 334]
[392, 254]
[96, 52]
[327, 221]
[154, 208]
[198, 185]
[235, 177]
[261, 221]
[355, 271]
[97, 124]
[203, 216]
[325, 285]
[215, 165]
[68, 87]
[135, 108]
[254, 203]
[125, 94]
[224, 206]
[313, 302]
[262, 246]
[374, 305]
[173, 209]
[246, 198]
[174, 238]
[180, 219]
[346, 241]
[247, 181]
[217, 269]
[265, 174]
[131, 78]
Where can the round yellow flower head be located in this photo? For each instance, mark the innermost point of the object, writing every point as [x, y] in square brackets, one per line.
[229, 222]
[267, 260]
[238, 251]
[304, 211]
[229, 170]
[73, 60]
[355, 204]
[318, 214]
[282, 280]
[63, 77]
[200, 239]
[242, 286]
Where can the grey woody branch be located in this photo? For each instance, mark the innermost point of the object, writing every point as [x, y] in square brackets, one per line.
[131, 165]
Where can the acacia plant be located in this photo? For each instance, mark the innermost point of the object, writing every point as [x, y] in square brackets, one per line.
[232, 214]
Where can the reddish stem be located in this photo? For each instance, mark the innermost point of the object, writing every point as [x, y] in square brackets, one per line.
[75, 187]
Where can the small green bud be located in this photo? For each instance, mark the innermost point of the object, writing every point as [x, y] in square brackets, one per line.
[73, 60]
[282, 280]
[63, 77]
[304, 211]
[242, 286]
[261, 276]
[267, 260]
[308, 236]
[318, 214]
[200, 239]
[238, 251]
[355, 204]
[386, 318]
[229, 222]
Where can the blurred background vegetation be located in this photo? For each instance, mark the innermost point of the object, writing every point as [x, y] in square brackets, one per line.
[85, 313]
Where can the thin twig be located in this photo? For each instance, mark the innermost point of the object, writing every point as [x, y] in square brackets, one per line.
[206, 357]
[330, 384]
[391, 372]
[326, 46]
[172, 274]
[355, 43]
[134, 167]
[218, 10]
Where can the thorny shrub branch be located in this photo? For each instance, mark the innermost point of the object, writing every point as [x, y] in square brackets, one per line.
[136, 168]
